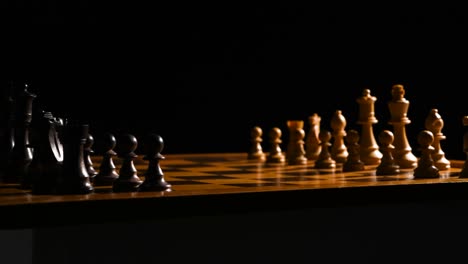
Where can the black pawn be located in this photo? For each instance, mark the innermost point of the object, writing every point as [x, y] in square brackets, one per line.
[154, 176]
[107, 172]
[87, 152]
[324, 160]
[388, 165]
[353, 162]
[426, 168]
[128, 180]
[74, 178]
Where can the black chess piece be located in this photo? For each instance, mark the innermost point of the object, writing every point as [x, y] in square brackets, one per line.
[107, 172]
[21, 155]
[45, 168]
[74, 178]
[388, 165]
[353, 161]
[7, 136]
[464, 171]
[128, 180]
[426, 167]
[87, 153]
[154, 176]
[324, 160]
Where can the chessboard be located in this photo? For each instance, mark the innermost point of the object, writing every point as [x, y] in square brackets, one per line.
[234, 173]
[210, 181]
[231, 173]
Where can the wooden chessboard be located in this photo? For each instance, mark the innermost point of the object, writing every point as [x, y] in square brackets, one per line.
[220, 178]
[232, 173]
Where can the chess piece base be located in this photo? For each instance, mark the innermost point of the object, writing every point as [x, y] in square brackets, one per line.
[257, 156]
[353, 167]
[387, 170]
[407, 161]
[148, 186]
[78, 188]
[298, 161]
[105, 180]
[442, 164]
[325, 164]
[429, 172]
[130, 185]
[373, 158]
[276, 158]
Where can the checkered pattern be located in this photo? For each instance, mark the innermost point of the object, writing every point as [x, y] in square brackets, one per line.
[225, 173]
[233, 171]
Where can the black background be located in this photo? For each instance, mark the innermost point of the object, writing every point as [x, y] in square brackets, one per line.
[201, 75]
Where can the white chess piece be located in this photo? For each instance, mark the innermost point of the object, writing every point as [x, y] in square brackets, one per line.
[434, 123]
[369, 149]
[398, 109]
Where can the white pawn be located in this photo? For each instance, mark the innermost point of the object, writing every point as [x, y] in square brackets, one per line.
[296, 153]
[276, 154]
[256, 151]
